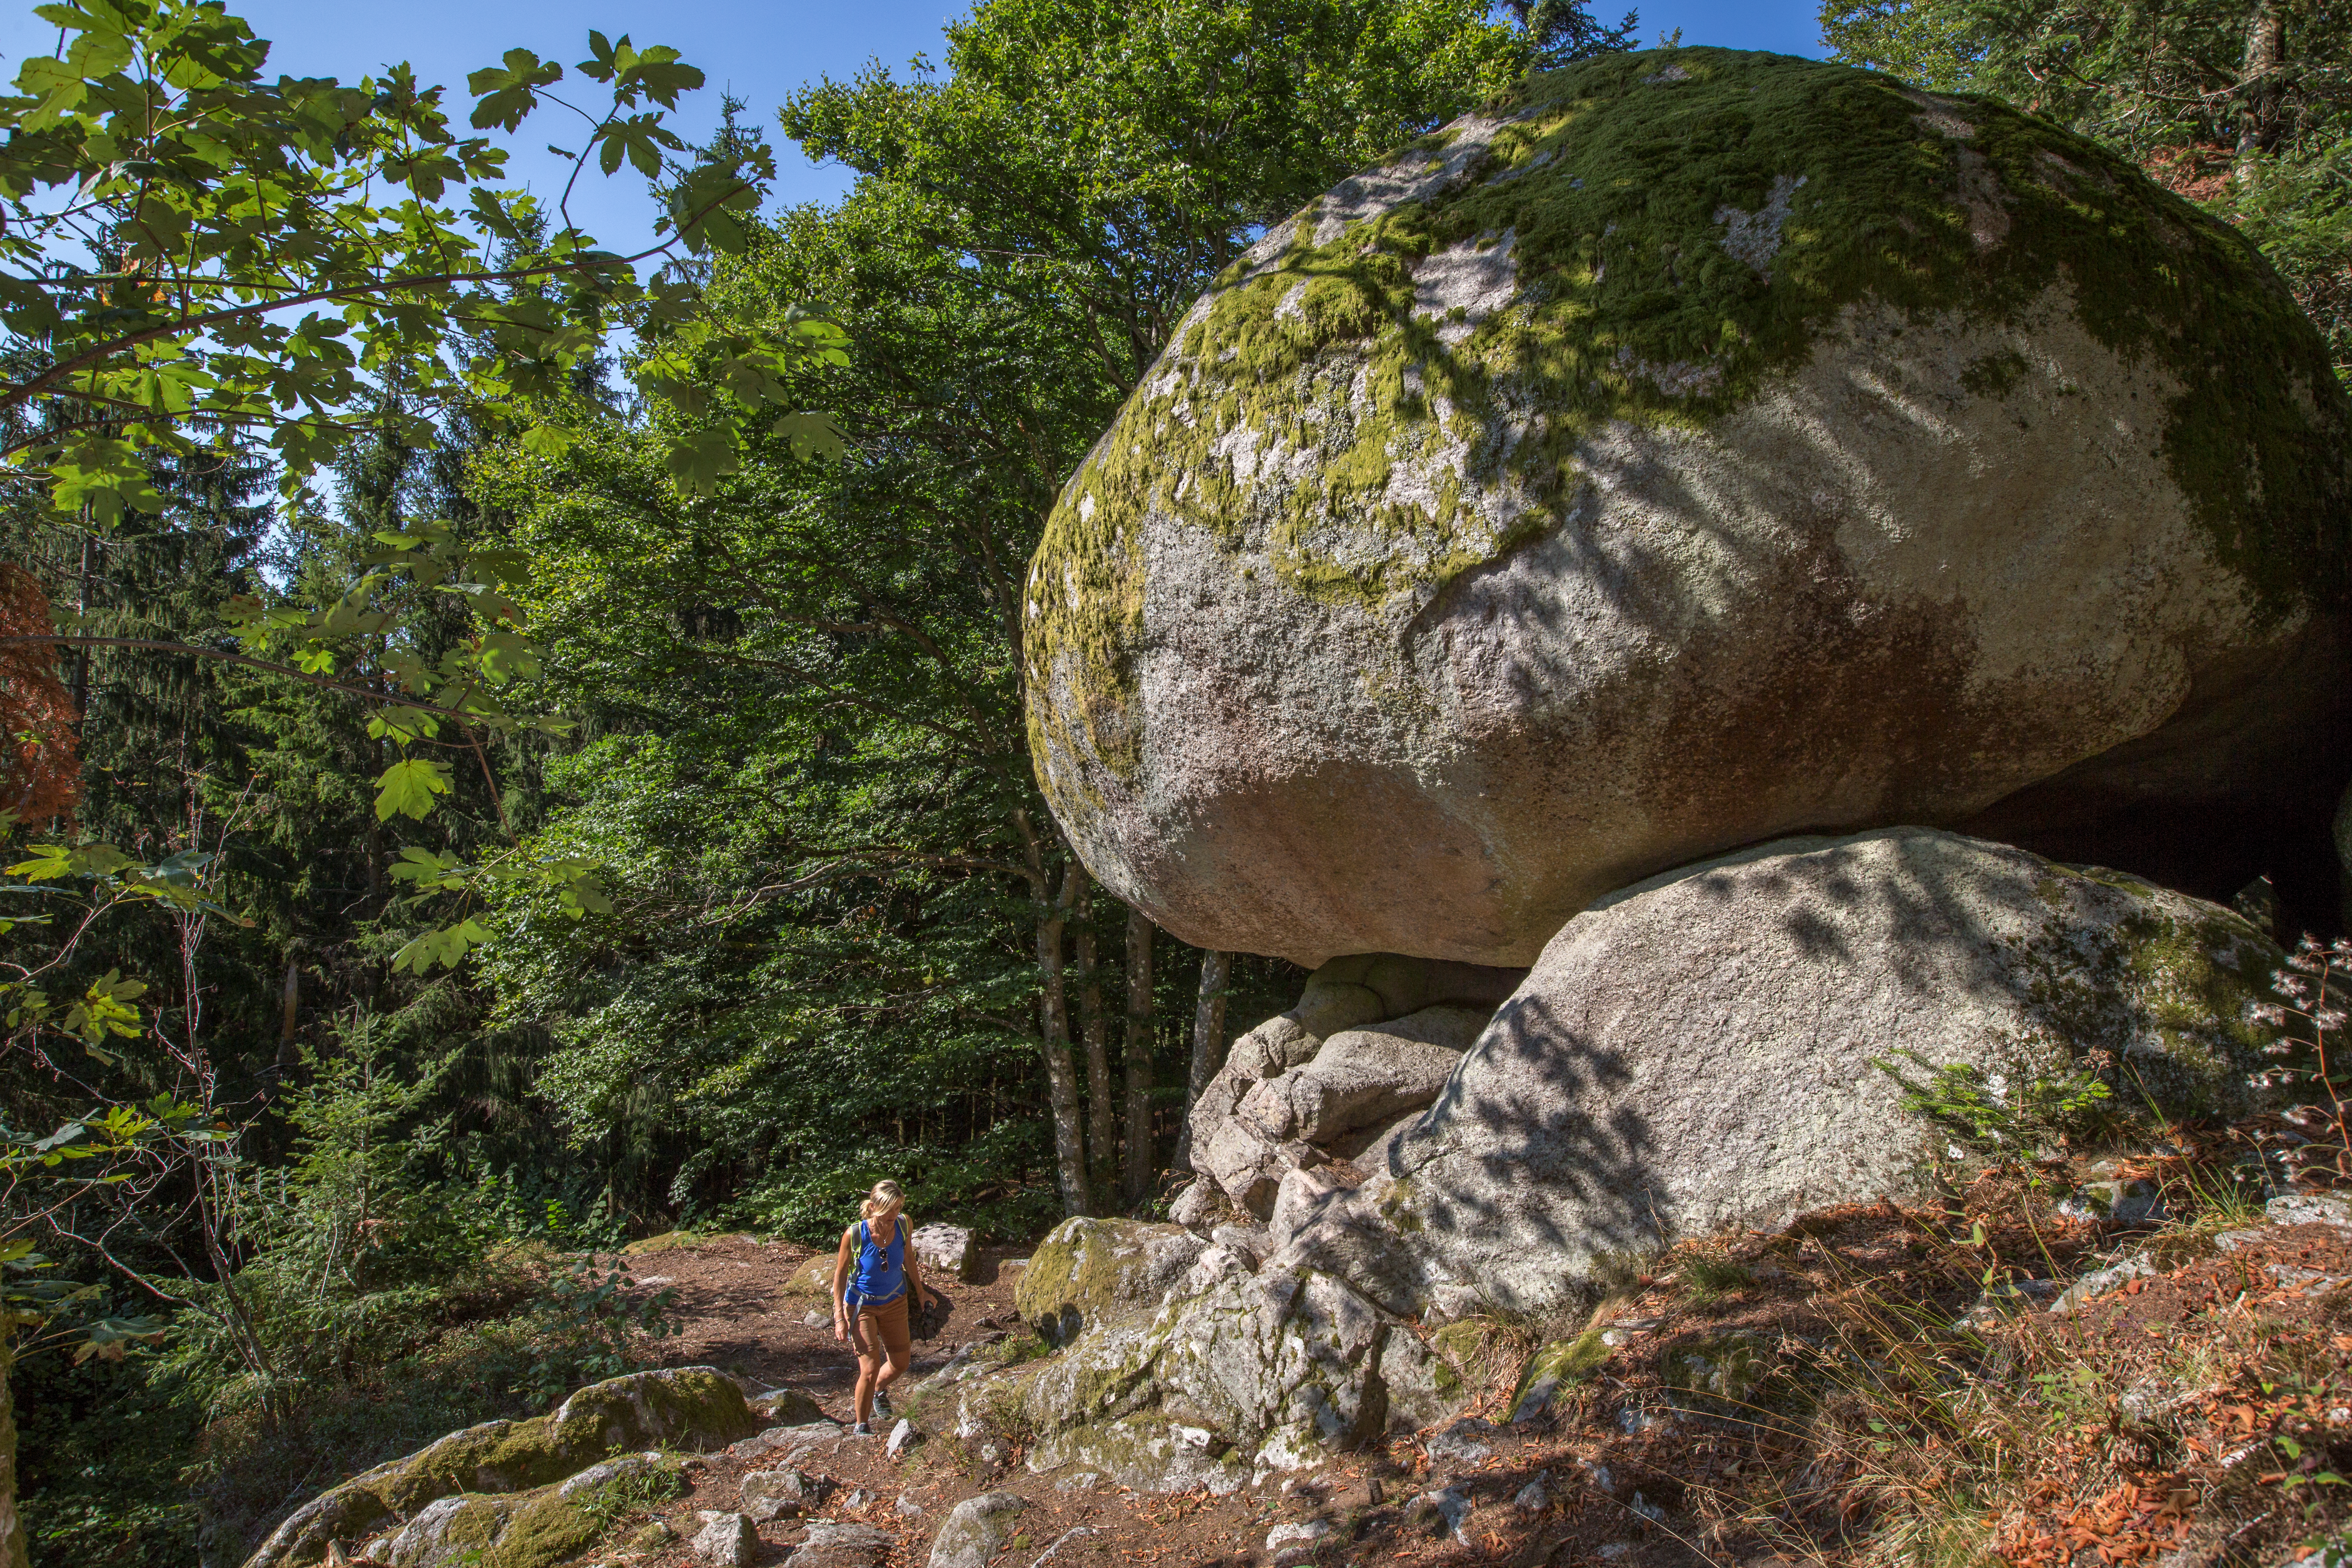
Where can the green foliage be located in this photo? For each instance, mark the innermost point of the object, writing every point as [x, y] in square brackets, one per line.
[1561, 31]
[203, 253]
[593, 1328]
[763, 904]
[1986, 1112]
[628, 1496]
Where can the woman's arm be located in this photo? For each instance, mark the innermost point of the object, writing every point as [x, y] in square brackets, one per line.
[914, 1264]
[841, 1286]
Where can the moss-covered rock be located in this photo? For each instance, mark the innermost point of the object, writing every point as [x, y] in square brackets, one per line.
[695, 1408]
[813, 1279]
[1694, 447]
[535, 1530]
[1808, 1022]
[1096, 1270]
[1559, 1364]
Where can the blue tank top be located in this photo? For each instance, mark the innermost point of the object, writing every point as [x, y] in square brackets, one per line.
[881, 1276]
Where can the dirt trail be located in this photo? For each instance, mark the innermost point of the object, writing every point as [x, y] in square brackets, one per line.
[741, 1316]
[2126, 1424]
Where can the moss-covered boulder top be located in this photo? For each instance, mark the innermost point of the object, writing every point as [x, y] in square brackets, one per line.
[1697, 446]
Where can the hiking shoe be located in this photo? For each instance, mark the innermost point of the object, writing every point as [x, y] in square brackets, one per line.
[861, 1430]
[882, 1406]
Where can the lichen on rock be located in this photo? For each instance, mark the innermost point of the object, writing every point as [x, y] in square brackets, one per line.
[1088, 1271]
[1465, 494]
[695, 1407]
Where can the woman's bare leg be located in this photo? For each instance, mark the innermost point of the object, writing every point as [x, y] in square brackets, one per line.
[870, 1365]
[886, 1334]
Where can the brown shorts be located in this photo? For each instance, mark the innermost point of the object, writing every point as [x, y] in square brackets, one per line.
[876, 1330]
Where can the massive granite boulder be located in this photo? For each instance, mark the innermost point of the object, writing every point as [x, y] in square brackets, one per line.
[1810, 1022]
[1693, 448]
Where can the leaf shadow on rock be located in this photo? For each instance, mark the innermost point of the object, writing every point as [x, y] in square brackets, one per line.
[1535, 1129]
[1702, 1050]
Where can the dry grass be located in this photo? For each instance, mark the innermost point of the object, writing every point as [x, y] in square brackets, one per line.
[1881, 1385]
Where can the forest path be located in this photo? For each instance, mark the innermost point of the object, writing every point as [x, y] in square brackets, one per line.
[741, 1315]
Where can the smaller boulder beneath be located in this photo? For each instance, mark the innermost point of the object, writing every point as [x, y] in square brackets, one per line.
[974, 1532]
[1428, 1003]
[1363, 1077]
[1629, 1092]
[1272, 1048]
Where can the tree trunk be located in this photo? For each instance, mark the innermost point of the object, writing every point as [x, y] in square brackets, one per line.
[289, 1013]
[14, 1553]
[1208, 1043]
[1141, 1161]
[1053, 1030]
[81, 609]
[2260, 85]
[1102, 1111]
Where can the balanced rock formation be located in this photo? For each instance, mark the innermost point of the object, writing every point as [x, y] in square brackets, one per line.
[1693, 448]
[1738, 1041]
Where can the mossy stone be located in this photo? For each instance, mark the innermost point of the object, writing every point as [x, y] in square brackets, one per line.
[687, 1407]
[1615, 192]
[1692, 447]
[1090, 1271]
[1561, 1363]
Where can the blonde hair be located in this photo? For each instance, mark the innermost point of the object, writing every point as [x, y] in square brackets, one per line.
[885, 1194]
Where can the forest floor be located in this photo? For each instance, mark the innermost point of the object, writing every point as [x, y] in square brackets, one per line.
[1872, 1383]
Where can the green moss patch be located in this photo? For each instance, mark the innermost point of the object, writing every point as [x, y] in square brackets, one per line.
[1562, 1364]
[1079, 1276]
[2162, 998]
[693, 1408]
[1670, 229]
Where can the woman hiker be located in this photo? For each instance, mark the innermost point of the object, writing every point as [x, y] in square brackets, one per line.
[874, 1277]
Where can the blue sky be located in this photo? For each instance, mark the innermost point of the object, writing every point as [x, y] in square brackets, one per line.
[763, 51]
